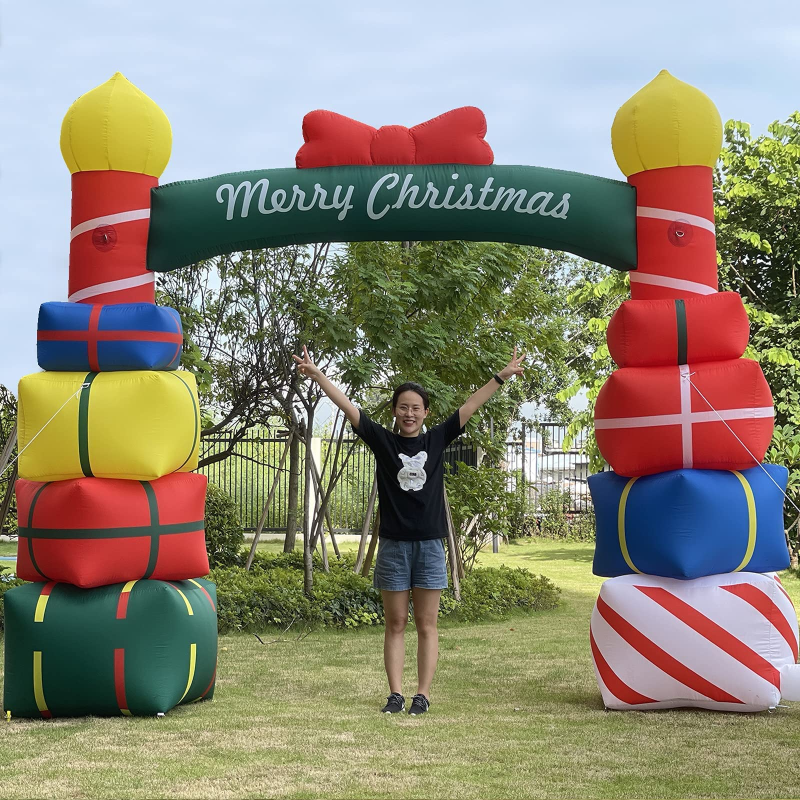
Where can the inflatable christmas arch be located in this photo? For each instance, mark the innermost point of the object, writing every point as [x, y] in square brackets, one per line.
[118, 619]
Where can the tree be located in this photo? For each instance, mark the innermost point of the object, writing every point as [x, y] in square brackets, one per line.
[243, 318]
[446, 314]
[757, 194]
[8, 429]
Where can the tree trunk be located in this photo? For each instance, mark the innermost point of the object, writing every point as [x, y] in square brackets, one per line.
[452, 538]
[293, 495]
[372, 544]
[308, 564]
[362, 545]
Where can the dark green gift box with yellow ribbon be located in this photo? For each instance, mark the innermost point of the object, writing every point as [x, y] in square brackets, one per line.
[136, 648]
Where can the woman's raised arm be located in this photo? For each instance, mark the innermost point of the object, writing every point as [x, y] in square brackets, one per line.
[305, 366]
[477, 399]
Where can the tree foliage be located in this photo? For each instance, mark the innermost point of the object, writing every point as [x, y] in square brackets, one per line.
[448, 315]
[445, 314]
[757, 193]
[244, 315]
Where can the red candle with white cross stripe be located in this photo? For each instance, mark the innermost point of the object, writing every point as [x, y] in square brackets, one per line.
[116, 142]
[666, 140]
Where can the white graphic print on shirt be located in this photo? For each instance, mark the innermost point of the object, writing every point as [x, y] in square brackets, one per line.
[412, 477]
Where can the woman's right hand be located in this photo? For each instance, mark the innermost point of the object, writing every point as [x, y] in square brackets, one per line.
[305, 366]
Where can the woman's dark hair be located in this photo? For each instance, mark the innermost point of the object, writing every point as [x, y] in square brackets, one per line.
[410, 386]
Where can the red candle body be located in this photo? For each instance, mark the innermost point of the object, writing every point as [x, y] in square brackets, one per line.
[676, 241]
[110, 220]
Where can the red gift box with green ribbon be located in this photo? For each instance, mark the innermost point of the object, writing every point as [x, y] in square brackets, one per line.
[716, 415]
[97, 531]
[655, 333]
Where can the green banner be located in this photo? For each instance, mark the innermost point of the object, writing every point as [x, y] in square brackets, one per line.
[591, 217]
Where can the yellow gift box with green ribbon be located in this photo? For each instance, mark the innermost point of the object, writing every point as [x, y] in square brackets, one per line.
[137, 425]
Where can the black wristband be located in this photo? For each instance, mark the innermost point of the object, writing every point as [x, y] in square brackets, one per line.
[499, 379]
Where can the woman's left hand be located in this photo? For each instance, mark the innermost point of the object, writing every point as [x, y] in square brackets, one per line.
[514, 367]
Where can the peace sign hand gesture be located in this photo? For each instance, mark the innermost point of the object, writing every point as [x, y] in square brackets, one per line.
[305, 366]
[514, 367]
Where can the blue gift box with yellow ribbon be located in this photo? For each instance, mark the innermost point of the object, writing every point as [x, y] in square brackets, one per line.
[689, 523]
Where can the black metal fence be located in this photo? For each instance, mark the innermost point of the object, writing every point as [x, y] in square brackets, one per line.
[538, 457]
[247, 475]
[249, 472]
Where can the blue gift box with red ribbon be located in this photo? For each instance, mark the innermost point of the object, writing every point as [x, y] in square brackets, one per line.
[78, 337]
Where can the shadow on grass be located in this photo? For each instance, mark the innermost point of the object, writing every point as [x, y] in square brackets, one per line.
[583, 553]
[592, 701]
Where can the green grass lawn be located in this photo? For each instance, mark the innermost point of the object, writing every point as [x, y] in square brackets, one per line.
[7, 549]
[516, 713]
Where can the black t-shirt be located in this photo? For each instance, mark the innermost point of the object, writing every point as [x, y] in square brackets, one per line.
[410, 478]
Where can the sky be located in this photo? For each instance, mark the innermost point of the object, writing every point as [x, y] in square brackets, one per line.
[235, 79]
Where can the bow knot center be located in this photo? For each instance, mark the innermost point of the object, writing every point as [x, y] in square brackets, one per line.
[393, 144]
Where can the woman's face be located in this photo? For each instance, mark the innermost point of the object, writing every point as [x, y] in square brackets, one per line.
[410, 413]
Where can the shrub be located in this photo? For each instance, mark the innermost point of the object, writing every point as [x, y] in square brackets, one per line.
[224, 534]
[554, 506]
[483, 492]
[558, 522]
[271, 594]
[521, 509]
[258, 599]
[494, 592]
[8, 580]
[583, 527]
[293, 560]
[347, 600]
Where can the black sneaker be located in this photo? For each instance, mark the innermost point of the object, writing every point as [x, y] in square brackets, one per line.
[419, 705]
[395, 704]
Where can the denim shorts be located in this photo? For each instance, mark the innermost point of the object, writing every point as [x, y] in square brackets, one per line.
[401, 566]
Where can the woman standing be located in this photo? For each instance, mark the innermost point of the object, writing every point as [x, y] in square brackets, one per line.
[411, 558]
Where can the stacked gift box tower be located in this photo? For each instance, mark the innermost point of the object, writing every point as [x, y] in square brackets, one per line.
[111, 518]
[689, 520]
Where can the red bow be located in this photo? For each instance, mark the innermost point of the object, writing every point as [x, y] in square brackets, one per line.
[452, 138]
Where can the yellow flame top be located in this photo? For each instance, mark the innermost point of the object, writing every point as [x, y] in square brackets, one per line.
[116, 126]
[668, 123]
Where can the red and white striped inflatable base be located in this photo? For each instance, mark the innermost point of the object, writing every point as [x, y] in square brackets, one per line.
[723, 642]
